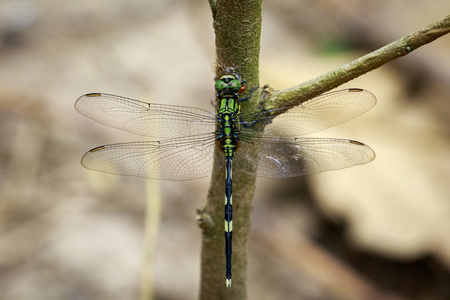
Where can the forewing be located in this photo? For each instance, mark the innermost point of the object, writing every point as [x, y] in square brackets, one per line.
[177, 159]
[289, 157]
[153, 120]
[317, 114]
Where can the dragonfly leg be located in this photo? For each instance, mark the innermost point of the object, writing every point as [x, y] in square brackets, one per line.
[212, 103]
[249, 96]
[244, 123]
[247, 124]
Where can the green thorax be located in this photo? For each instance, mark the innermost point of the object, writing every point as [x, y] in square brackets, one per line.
[228, 88]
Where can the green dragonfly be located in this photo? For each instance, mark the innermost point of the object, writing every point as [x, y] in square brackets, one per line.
[187, 136]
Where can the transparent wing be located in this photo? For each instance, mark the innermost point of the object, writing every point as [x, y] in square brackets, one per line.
[176, 159]
[314, 115]
[289, 157]
[153, 120]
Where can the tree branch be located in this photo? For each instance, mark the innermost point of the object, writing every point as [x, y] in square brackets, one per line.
[323, 83]
[237, 26]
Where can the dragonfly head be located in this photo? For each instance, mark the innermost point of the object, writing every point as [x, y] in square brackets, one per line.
[230, 84]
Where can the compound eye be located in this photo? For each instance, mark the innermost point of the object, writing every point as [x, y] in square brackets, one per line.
[220, 85]
[234, 85]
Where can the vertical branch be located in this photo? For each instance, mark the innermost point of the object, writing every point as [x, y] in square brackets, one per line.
[237, 25]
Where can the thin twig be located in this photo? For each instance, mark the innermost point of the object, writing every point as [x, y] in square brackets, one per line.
[325, 82]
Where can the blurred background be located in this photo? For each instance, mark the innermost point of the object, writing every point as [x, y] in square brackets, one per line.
[377, 231]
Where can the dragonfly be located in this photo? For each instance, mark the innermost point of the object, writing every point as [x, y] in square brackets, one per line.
[185, 139]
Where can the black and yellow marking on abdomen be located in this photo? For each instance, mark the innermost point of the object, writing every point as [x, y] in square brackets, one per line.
[228, 219]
